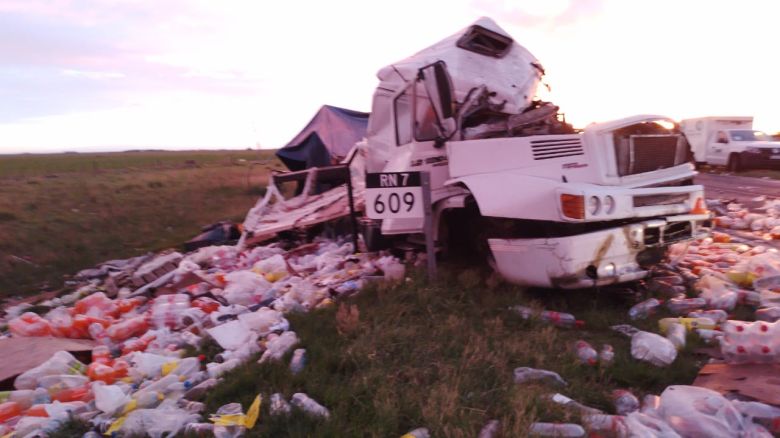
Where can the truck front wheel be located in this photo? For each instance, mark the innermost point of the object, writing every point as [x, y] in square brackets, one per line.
[462, 234]
[734, 164]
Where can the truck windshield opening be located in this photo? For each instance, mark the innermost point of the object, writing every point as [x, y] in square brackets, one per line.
[485, 42]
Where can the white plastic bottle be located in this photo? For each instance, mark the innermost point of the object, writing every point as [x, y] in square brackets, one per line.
[217, 369]
[644, 309]
[675, 333]
[625, 401]
[309, 405]
[298, 360]
[279, 405]
[420, 432]
[201, 389]
[611, 425]
[586, 353]
[607, 354]
[557, 429]
[490, 430]
[525, 374]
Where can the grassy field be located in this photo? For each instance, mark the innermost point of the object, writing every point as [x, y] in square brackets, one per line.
[61, 213]
[442, 356]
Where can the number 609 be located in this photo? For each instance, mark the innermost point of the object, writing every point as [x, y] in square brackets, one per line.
[394, 203]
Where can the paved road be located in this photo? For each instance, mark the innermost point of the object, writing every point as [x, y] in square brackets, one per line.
[741, 187]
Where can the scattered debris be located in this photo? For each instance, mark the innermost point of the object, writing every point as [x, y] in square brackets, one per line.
[625, 402]
[310, 406]
[653, 348]
[135, 374]
[557, 429]
[490, 430]
[525, 374]
[559, 319]
[757, 381]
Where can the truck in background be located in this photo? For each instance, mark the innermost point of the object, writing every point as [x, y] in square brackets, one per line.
[730, 142]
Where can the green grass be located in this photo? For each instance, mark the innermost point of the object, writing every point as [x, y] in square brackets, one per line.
[60, 214]
[441, 356]
[761, 173]
[70, 429]
[31, 165]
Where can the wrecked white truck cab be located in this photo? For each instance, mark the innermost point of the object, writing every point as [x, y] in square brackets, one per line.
[555, 207]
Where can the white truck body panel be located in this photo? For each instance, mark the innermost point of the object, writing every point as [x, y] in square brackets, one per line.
[513, 78]
[535, 198]
[559, 262]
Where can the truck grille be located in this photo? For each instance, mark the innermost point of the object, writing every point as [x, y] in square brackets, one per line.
[557, 148]
[646, 153]
[677, 231]
[648, 200]
[672, 232]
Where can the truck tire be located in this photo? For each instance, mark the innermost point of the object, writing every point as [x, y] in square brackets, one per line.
[735, 163]
[462, 235]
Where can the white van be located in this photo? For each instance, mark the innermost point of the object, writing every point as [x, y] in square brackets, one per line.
[731, 142]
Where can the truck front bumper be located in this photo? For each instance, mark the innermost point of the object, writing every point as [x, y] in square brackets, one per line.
[610, 256]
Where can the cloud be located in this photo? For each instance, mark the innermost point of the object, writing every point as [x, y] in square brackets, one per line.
[64, 56]
[99, 75]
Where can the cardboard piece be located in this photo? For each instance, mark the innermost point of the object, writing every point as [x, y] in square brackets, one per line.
[19, 354]
[757, 381]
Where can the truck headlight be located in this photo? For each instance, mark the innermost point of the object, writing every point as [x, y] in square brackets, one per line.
[753, 150]
[609, 204]
[594, 205]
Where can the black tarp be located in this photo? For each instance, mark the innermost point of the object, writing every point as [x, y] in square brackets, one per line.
[327, 138]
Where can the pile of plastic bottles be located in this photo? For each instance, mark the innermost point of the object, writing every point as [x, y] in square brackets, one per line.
[727, 274]
[702, 283]
[765, 225]
[138, 379]
[680, 411]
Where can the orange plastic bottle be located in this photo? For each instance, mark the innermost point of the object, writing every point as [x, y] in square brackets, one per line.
[207, 305]
[61, 322]
[82, 393]
[36, 411]
[97, 304]
[130, 327]
[81, 324]
[720, 237]
[101, 372]
[127, 304]
[101, 354]
[9, 410]
[29, 324]
[138, 344]
[121, 368]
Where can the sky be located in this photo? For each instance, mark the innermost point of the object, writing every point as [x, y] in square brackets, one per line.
[95, 75]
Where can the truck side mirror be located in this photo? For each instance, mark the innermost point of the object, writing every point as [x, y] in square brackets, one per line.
[438, 85]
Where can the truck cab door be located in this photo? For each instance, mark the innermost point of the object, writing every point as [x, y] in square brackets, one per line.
[423, 118]
[438, 85]
[717, 148]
